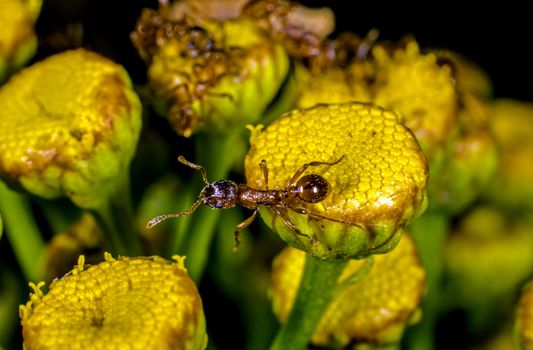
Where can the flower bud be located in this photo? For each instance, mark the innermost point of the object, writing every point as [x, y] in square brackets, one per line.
[206, 74]
[69, 127]
[373, 183]
[140, 302]
[373, 310]
[18, 41]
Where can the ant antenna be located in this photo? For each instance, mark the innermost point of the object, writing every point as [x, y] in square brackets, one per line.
[189, 211]
[200, 168]
[195, 205]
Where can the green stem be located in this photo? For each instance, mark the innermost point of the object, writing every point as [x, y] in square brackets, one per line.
[430, 232]
[216, 154]
[116, 219]
[317, 288]
[22, 232]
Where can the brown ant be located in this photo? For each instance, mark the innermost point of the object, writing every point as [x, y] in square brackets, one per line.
[222, 194]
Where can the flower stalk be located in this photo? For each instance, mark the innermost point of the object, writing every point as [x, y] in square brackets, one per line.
[317, 289]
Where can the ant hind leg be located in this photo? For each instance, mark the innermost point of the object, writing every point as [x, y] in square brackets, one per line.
[304, 167]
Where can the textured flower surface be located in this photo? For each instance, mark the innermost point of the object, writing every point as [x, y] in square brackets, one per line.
[17, 37]
[374, 310]
[375, 188]
[68, 126]
[124, 303]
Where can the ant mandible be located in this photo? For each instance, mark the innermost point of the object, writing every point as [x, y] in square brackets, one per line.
[222, 194]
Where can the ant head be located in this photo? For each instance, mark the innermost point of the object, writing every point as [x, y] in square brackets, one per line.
[220, 194]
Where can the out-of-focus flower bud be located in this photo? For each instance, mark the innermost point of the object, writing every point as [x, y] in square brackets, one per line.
[83, 237]
[487, 258]
[524, 317]
[421, 90]
[206, 74]
[512, 125]
[374, 310]
[140, 302]
[468, 76]
[464, 168]
[69, 127]
[18, 41]
[372, 187]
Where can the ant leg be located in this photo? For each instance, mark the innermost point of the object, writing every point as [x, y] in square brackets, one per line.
[320, 216]
[200, 168]
[304, 167]
[288, 221]
[264, 169]
[241, 227]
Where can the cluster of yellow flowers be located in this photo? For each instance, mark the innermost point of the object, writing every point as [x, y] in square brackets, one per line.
[353, 140]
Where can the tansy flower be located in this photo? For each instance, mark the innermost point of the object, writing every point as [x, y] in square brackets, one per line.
[124, 303]
[524, 318]
[18, 41]
[69, 127]
[373, 185]
[373, 310]
[208, 75]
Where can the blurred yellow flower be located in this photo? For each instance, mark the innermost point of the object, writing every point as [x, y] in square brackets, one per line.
[374, 310]
[124, 303]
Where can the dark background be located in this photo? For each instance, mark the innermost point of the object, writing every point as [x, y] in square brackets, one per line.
[497, 37]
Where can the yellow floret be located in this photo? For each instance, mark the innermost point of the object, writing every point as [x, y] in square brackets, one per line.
[124, 303]
[376, 188]
[374, 310]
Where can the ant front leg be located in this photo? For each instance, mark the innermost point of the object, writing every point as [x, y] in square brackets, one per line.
[241, 227]
[303, 168]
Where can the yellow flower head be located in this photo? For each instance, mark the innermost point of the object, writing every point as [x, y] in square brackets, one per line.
[124, 303]
[524, 317]
[206, 74]
[17, 37]
[376, 185]
[375, 309]
[68, 126]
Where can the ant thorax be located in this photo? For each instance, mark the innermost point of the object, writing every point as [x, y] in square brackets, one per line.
[220, 194]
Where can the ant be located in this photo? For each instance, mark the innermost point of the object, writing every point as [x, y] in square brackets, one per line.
[222, 194]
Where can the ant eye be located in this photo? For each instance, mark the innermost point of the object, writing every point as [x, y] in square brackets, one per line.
[209, 191]
[312, 188]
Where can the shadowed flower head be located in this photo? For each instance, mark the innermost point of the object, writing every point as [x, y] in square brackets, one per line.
[375, 309]
[68, 126]
[376, 186]
[17, 37]
[141, 303]
[205, 74]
